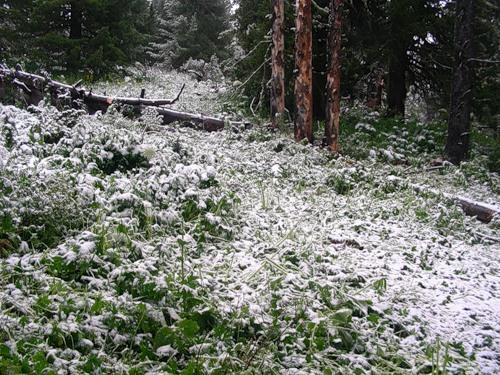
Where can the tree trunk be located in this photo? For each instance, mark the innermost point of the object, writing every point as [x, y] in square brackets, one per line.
[75, 31]
[278, 65]
[396, 90]
[457, 145]
[303, 65]
[75, 34]
[379, 92]
[332, 124]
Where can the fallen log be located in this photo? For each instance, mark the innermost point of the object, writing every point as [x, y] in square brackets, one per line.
[207, 123]
[25, 80]
[107, 100]
[484, 212]
[95, 102]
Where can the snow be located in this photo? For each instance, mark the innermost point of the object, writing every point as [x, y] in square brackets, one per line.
[166, 351]
[282, 251]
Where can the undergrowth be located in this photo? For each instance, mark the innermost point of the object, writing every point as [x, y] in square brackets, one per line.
[122, 251]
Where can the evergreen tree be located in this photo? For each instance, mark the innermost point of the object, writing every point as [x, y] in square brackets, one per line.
[72, 35]
[14, 20]
[194, 29]
[278, 65]
[304, 69]
[253, 26]
[408, 39]
[164, 46]
[459, 123]
[486, 106]
[332, 123]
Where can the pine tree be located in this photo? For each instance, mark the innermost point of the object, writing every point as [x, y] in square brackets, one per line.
[458, 142]
[410, 23]
[190, 29]
[253, 26]
[278, 64]
[74, 35]
[164, 47]
[303, 64]
[14, 21]
[332, 123]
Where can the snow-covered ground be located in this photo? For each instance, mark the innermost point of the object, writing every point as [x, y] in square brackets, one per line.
[161, 249]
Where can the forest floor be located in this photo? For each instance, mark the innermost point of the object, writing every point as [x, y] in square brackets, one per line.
[131, 247]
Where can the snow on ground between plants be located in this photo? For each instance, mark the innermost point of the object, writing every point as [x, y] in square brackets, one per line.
[128, 247]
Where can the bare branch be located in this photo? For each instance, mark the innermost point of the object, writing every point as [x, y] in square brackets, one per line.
[485, 61]
[21, 85]
[324, 11]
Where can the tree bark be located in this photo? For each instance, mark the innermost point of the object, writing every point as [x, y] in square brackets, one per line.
[379, 92]
[198, 121]
[75, 34]
[458, 141]
[482, 211]
[76, 20]
[2, 88]
[396, 90]
[278, 65]
[332, 124]
[303, 65]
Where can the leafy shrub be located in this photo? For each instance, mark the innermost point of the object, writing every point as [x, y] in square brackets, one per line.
[340, 184]
[44, 219]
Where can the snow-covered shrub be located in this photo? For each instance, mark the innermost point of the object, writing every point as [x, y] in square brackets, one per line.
[42, 209]
[205, 70]
[173, 273]
[196, 66]
[213, 70]
[342, 184]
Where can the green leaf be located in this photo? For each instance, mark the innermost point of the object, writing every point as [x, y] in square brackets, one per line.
[189, 328]
[4, 351]
[192, 369]
[39, 363]
[92, 364]
[342, 317]
[147, 353]
[42, 303]
[99, 306]
[122, 229]
[373, 318]
[7, 225]
[380, 286]
[164, 336]
[347, 339]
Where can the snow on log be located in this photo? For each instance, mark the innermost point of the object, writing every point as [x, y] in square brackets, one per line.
[26, 80]
[482, 211]
[33, 86]
[132, 101]
[207, 123]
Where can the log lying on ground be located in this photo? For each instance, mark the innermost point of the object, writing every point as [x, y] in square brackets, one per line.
[206, 123]
[132, 101]
[30, 81]
[34, 85]
[482, 211]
